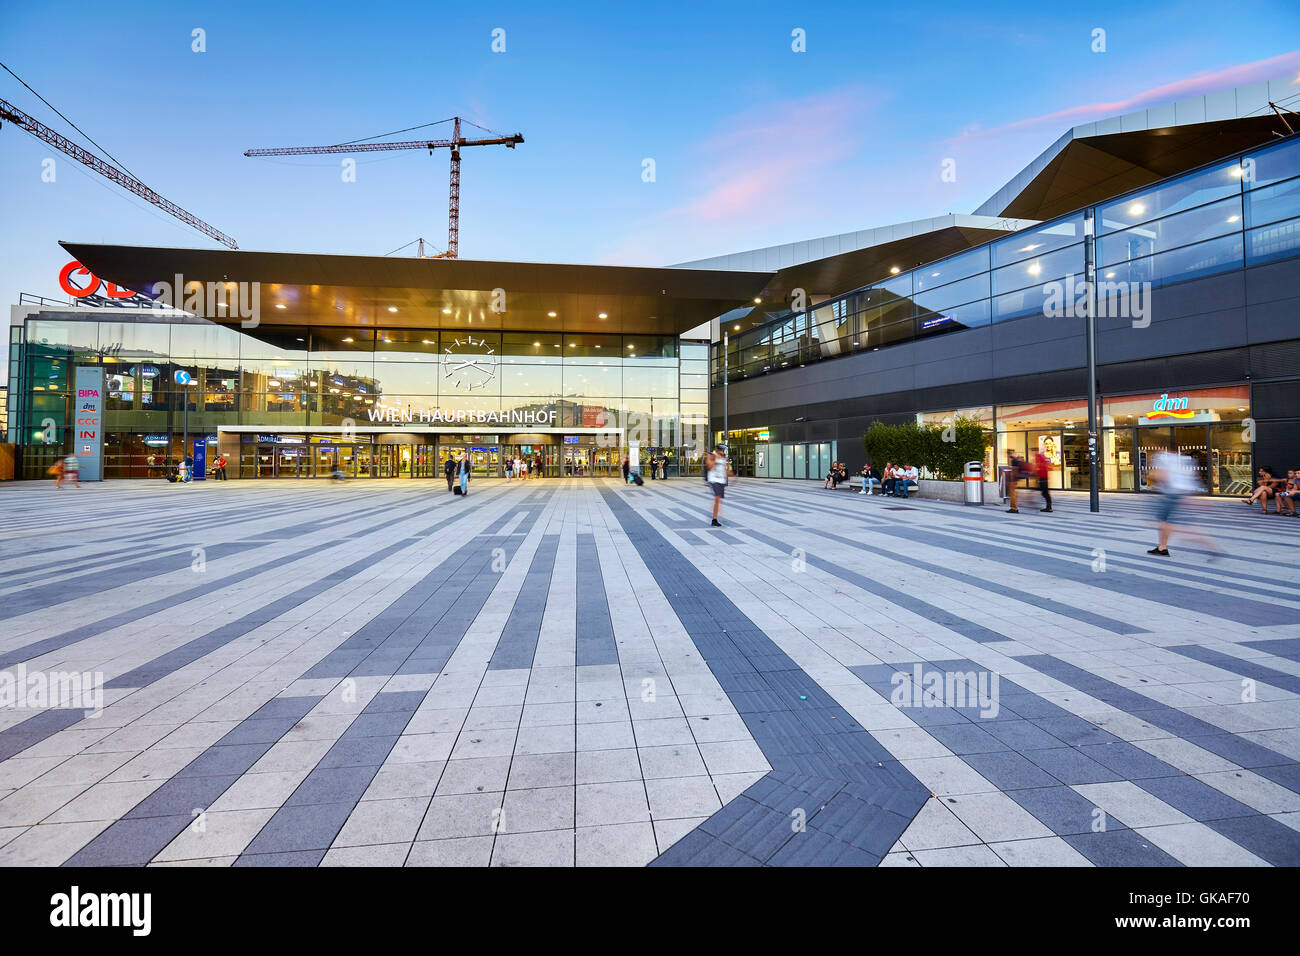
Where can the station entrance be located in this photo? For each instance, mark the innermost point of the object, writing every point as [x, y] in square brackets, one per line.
[417, 454]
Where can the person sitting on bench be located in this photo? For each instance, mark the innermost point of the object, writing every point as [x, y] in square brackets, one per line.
[870, 479]
[908, 475]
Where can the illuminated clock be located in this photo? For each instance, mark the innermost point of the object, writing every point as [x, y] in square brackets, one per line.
[468, 363]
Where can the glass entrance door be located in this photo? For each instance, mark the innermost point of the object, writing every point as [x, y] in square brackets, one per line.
[1189, 440]
[1151, 441]
[292, 461]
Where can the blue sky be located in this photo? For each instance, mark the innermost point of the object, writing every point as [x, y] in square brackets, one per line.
[753, 143]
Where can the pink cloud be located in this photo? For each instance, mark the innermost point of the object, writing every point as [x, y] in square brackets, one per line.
[1196, 84]
[771, 152]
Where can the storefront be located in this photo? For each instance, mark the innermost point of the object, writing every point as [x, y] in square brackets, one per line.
[1209, 425]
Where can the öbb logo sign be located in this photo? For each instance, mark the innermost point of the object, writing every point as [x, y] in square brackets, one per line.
[92, 286]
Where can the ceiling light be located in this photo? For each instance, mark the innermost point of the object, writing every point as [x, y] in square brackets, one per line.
[573, 345]
[758, 301]
[1035, 268]
[537, 345]
[446, 311]
[1136, 209]
[426, 341]
[1233, 218]
[603, 315]
[893, 270]
[551, 314]
[347, 340]
[279, 305]
[597, 346]
[631, 346]
[392, 308]
[737, 329]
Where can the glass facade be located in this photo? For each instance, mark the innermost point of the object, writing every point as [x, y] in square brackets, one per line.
[1208, 425]
[1241, 212]
[281, 382]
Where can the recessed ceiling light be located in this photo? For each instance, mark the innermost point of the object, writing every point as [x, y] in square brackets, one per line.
[758, 301]
[551, 314]
[347, 340]
[427, 341]
[280, 305]
[1136, 209]
[573, 345]
[631, 346]
[537, 345]
[392, 308]
[446, 311]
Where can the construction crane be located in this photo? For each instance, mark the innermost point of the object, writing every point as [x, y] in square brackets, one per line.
[64, 145]
[454, 144]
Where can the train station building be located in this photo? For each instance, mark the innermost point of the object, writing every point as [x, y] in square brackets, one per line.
[1178, 225]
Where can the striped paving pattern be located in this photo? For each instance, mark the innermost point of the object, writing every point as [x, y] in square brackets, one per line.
[576, 672]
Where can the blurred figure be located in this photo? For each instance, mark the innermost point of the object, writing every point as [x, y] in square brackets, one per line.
[1174, 476]
[69, 470]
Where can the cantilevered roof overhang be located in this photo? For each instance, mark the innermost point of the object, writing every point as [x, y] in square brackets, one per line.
[1094, 161]
[832, 265]
[378, 291]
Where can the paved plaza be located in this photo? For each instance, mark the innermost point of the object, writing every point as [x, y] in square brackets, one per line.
[576, 672]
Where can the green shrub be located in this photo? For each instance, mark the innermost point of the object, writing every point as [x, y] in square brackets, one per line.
[942, 450]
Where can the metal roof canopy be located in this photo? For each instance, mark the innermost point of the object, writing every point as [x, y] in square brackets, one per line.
[358, 291]
[837, 274]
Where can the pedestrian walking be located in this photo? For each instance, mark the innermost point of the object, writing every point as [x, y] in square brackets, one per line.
[1043, 468]
[1015, 472]
[1174, 476]
[627, 469]
[462, 470]
[449, 471]
[69, 470]
[716, 472]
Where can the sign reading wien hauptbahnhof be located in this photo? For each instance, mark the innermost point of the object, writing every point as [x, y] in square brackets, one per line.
[463, 416]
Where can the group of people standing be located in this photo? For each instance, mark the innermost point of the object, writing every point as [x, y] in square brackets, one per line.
[521, 467]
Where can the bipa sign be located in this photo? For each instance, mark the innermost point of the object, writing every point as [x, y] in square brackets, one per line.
[93, 282]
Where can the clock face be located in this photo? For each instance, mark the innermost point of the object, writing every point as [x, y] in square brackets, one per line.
[468, 363]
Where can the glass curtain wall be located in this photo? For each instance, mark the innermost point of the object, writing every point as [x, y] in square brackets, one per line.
[290, 379]
[1240, 212]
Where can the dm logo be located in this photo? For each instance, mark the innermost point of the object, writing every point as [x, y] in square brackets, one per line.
[1166, 407]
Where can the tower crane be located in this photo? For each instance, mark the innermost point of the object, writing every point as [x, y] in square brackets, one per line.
[106, 169]
[454, 144]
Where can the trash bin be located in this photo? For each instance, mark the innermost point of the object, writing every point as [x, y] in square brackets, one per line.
[974, 482]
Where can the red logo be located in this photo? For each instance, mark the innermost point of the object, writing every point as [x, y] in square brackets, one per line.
[91, 287]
